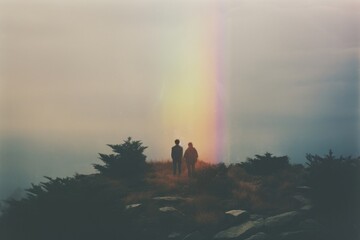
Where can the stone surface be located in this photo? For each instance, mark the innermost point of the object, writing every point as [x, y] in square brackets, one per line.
[194, 236]
[170, 198]
[303, 188]
[258, 236]
[168, 209]
[241, 230]
[295, 235]
[236, 216]
[302, 200]
[237, 213]
[306, 208]
[174, 235]
[310, 224]
[132, 206]
[254, 217]
[281, 220]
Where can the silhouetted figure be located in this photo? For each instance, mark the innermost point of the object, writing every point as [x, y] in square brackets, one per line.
[176, 155]
[191, 157]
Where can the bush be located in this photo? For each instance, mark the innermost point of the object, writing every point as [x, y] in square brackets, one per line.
[80, 207]
[265, 164]
[213, 179]
[335, 188]
[127, 162]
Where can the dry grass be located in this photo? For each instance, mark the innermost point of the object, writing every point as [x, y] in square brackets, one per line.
[137, 197]
[206, 218]
[261, 194]
[162, 178]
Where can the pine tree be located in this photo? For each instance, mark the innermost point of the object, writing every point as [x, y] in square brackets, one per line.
[265, 164]
[128, 160]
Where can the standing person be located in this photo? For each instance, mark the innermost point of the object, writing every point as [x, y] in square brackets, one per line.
[191, 157]
[176, 155]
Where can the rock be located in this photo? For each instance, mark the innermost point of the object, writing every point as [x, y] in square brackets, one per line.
[296, 235]
[169, 219]
[237, 213]
[241, 230]
[310, 224]
[258, 236]
[236, 216]
[303, 188]
[168, 209]
[307, 208]
[132, 206]
[174, 235]
[170, 199]
[194, 236]
[254, 217]
[281, 220]
[302, 200]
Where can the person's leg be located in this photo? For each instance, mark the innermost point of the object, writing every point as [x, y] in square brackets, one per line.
[188, 168]
[174, 167]
[192, 169]
[179, 167]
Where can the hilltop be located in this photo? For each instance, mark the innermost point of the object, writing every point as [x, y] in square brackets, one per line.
[265, 197]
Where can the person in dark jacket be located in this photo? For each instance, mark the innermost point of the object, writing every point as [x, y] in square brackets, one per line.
[177, 155]
[191, 156]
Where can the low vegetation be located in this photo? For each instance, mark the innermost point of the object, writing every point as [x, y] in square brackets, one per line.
[94, 206]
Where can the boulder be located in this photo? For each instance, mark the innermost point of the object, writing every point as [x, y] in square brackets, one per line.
[302, 200]
[174, 235]
[170, 219]
[168, 209]
[132, 206]
[170, 199]
[172, 210]
[295, 235]
[194, 236]
[258, 236]
[236, 216]
[237, 213]
[242, 230]
[310, 225]
[307, 208]
[255, 217]
[303, 188]
[281, 220]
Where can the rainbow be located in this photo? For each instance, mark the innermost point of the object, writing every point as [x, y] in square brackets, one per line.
[193, 86]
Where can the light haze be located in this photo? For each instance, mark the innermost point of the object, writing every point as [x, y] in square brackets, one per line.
[77, 75]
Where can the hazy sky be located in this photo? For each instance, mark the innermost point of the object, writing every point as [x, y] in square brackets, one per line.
[77, 75]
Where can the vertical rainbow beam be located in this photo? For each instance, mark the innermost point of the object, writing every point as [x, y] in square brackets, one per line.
[193, 87]
[220, 81]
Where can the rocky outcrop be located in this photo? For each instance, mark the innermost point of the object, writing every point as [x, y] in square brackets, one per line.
[174, 235]
[168, 209]
[170, 199]
[285, 226]
[258, 236]
[236, 216]
[194, 236]
[282, 220]
[165, 216]
[240, 231]
[132, 206]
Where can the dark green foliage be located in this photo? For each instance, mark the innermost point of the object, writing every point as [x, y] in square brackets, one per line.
[81, 207]
[128, 161]
[335, 188]
[213, 179]
[265, 164]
